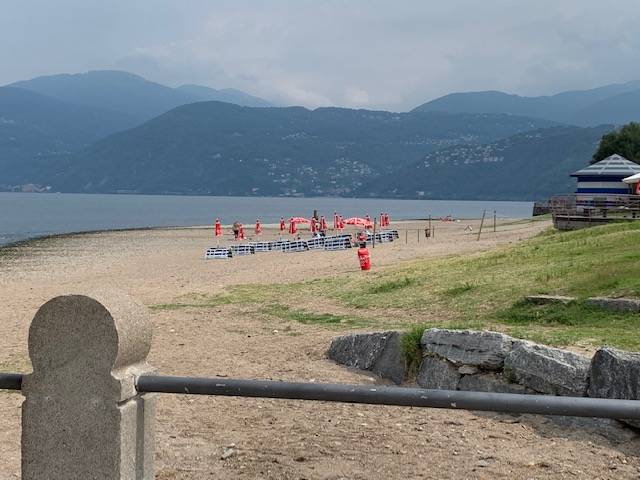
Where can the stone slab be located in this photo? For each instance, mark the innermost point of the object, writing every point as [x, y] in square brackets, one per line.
[485, 350]
[547, 299]
[616, 304]
[378, 352]
[615, 374]
[438, 374]
[490, 382]
[548, 370]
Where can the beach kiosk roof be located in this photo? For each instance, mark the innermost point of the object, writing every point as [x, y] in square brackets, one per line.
[612, 166]
[604, 179]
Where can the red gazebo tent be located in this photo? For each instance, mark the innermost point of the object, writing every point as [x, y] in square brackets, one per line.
[296, 220]
[358, 221]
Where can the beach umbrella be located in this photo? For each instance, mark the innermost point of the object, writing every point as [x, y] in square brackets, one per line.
[292, 228]
[387, 220]
[632, 179]
[258, 227]
[299, 220]
[336, 223]
[282, 226]
[381, 220]
[358, 221]
[312, 226]
[323, 224]
[218, 228]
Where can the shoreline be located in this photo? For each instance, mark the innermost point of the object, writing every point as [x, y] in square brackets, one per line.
[53, 236]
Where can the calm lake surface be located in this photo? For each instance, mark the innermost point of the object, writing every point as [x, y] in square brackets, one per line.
[26, 215]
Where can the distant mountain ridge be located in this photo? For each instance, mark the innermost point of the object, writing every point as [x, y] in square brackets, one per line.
[127, 93]
[617, 104]
[228, 95]
[223, 149]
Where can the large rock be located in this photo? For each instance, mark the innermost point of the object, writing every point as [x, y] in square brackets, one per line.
[437, 374]
[548, 370]
[490, 382]
[615, 374]
[378, 352]
[616, 304]
[485, 350]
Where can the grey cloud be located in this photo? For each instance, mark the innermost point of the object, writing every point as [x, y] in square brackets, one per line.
[361, 53]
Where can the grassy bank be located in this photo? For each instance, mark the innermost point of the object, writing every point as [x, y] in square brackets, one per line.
[482, 290]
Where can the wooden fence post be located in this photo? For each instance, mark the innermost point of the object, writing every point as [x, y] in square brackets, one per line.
[484, 212]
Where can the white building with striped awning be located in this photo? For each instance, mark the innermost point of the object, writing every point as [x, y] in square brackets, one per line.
[603, 180]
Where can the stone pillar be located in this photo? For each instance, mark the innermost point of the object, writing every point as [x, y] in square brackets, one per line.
[82, 417]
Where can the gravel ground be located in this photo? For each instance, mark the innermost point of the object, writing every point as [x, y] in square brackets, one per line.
[271, 439]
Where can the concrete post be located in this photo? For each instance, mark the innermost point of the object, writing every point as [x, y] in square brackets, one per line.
[82, 417]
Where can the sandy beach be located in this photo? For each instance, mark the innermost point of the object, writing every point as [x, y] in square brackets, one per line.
[284, 439]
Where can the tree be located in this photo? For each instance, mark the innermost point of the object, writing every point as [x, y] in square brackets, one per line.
[625, 142]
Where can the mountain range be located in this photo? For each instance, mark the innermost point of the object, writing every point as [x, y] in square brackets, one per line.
[110, 131]
[220, 148]
[129, 94]
[611, 104]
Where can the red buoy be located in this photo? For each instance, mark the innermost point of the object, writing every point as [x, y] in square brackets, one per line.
[364, 257]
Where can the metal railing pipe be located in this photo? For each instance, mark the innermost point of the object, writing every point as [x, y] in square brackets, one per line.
[10, 381]
[381, 395]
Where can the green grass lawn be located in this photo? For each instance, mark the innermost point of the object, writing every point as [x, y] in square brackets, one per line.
[483, 290]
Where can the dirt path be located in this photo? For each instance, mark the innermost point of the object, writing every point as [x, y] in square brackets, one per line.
[284, 439]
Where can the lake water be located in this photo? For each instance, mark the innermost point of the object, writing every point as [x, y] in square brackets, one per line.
[26, 215]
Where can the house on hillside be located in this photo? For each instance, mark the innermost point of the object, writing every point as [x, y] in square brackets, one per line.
[603, 181]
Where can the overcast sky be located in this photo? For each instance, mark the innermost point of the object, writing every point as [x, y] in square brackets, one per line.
[392, 54]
